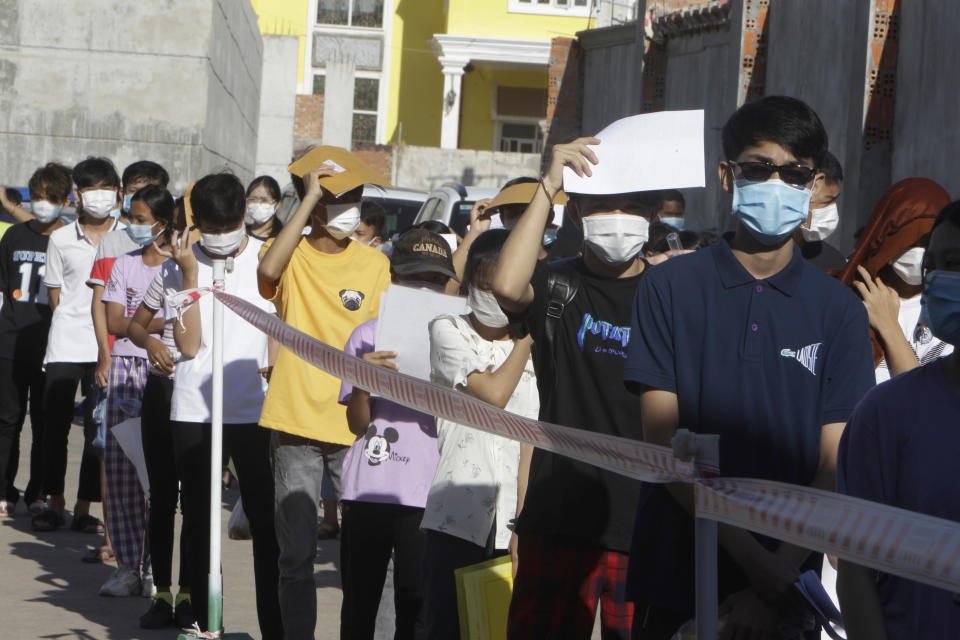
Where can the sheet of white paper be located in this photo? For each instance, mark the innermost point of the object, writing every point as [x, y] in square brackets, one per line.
[402, 326]
[650, 151]
[128, 437]
[558, 210]
[451, 239]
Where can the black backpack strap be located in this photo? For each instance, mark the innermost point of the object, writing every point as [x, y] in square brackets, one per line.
[563, 284]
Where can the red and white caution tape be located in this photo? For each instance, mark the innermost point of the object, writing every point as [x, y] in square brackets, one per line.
[647, 462]
[908, 544]
[892, 540]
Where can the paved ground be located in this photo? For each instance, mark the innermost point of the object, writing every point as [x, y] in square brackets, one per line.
[46, 592]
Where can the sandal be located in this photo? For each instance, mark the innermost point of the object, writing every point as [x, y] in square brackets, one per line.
[86, 523]
[48, 520]
[101, 555]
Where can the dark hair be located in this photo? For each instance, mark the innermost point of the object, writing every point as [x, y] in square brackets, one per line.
[268, 183]
[949, 214]
[14, 195]
[52, 180]
[520, 180]
[782, 120]
[373, 215]
[158, 200]
[218, 200]
[484, 252]
[145, 170]
[671, 195]
[435, 226]
[830, 166]
[95, 171]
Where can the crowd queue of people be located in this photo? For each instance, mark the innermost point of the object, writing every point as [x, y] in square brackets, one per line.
[766, 335]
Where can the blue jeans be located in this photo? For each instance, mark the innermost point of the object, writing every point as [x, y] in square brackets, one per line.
[298, 469]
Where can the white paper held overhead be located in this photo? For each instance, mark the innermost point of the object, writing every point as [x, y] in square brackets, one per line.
[662, 150]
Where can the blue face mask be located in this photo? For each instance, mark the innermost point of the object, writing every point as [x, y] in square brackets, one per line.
[142, 234]
[940, 305]
[770, 210]
[68, 215]
[673, 221]
[126, 202]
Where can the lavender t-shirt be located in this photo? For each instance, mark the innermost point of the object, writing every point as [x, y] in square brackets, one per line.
[129, 280]
[395, 461]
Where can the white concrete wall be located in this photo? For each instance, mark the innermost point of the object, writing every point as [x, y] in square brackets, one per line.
[175, 82]
[429, 167]
[278, 104]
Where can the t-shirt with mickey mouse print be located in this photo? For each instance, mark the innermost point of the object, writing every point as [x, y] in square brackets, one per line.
[394, 462]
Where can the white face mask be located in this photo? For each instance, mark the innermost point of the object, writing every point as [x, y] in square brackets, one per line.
[260, 212]
[615, 238]
[223, 244]
[485, 309]
[99, 203]
[908, 266]
[44, 211]
[823, 222]
[342, 219]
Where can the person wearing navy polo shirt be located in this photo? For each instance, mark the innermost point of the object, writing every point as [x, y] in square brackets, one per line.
[747, 340]
[574, 528]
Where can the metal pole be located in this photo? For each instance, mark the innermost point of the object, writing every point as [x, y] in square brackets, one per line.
[214, 577]
[705, 531]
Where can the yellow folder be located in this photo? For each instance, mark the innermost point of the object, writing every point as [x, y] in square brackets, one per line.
[483, 599]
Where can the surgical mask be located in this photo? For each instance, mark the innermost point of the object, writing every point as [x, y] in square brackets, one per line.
[222, 244]
[485, 309]
[45, 212]
[99, 203]
[549, 237]
[615, 238]
[823, 222]
[940, 305]
[909, 266]
[342, 219]
[142, 234]
[770, 210]
[127, 199]
[68, 215]
[674, 221]
[260, 212]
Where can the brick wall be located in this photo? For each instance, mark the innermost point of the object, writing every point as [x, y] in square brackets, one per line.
[308, 121]
[564, 90]
[378, 156]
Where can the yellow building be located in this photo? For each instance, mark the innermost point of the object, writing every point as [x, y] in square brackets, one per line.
[468, 74]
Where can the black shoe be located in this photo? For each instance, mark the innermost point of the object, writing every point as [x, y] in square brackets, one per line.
[159, 616]
[183, 615]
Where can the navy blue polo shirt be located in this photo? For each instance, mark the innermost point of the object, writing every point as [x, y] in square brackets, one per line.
[763, 363]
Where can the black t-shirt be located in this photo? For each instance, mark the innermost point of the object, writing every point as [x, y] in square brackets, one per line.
[822, 255]
[565, 497]
[25, 315]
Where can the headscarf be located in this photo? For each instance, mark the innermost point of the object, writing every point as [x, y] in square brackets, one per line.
[904, 214]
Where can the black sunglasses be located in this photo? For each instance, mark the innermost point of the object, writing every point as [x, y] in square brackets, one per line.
[793, 174]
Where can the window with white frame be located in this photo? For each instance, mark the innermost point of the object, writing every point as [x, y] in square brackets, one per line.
[576, 8]
[366, 94]
[350, 13]
[525, 137]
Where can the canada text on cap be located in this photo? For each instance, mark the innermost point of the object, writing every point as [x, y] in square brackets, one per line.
[350, 171]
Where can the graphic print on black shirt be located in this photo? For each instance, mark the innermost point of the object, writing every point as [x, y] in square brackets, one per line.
[564, 497]
[26, 307]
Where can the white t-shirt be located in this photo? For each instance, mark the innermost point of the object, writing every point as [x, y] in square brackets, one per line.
[244, 347]
[925, 345]
[476, 477]
[70, 256]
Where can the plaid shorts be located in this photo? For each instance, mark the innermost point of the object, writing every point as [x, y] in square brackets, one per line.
[558, 585]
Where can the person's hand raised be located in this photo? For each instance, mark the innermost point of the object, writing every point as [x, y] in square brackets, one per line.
[180, 250]
[312, 180]
[577, 155]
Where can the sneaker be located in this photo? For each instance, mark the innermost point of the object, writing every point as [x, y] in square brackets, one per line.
[158, 616]
[7, 508]
[183, 614]
[123, 582]
[147, 588]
